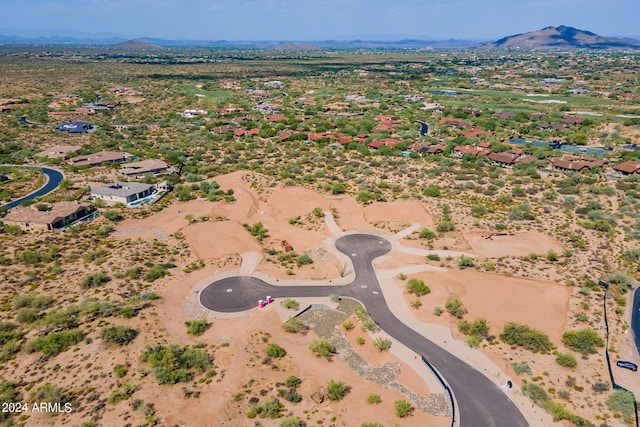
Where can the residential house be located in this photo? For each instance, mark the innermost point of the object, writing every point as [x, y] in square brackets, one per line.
[277, 118]
[388, 142]
[503, 115]
[627, 168]
[122, 192]
[461, 150]
[58, 151]
[152, 166]
[575, 164]
[75, 127]
[99, 158]
[425, 148]
[60, 215]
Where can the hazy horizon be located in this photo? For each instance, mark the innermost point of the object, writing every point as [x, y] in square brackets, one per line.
[305, 20]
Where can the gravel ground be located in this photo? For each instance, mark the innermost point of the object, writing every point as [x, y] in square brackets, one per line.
[326, 322]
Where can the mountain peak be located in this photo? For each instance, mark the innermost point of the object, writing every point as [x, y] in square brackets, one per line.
[561, 37]
[136, 45]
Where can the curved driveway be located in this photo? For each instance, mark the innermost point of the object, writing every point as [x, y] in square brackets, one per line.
[54, 178]
[480, 402]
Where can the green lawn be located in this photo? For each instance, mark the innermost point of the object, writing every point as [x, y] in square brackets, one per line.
[217, 96]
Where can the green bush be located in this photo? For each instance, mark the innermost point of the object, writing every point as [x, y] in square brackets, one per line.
[197, 327]
[50, 393]
[382, 344]
[466, 262]
[583, 341]
[336, 390]
[118, 334]
[402, 408]
[175, 364]
[456, 308]
[374, 399]
[526, 336]
[274, 350]
[294, 326]
[303, 259]
[322, 348]
[94, 280]
[291, 304]
[111, 215]
[291, 422]
[445, 226]
[567, 360]
[270, 408]
[437, 311]
[33, 301]
[154, 273]
[120, 370]
[425, 233]
[623, 402]
[417, 287]
[55, 342]
[521, 368]
[292, 381]
[28, 315]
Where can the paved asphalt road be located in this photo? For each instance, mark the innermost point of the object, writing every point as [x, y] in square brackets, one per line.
[54, 179]
[635, 318]
[480, 402]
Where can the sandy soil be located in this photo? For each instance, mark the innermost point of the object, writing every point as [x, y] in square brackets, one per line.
[492, 297]
[519, 244]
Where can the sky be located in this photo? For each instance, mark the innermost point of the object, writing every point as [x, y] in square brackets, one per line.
[308, 20]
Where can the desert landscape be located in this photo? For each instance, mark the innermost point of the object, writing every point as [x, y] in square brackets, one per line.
[252, 171]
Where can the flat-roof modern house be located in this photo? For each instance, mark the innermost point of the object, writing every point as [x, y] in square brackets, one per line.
[60, 215]
[97, 159]
[75, 127]
[152, 166]
[122, 192]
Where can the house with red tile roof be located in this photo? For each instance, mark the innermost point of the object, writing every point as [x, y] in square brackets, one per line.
[575, 164]
[627, 168]
[277, 118]
[461, 150]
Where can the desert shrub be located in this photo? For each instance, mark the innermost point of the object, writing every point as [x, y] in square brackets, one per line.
[526, 336]
[382, 344]
[456, 308]
[270, 408]
[154, 273]
[402, 408]
[291, 422]
[118, 334]
[416, 304]
[417, 287]
[294, 326]
[622, 401]
[28, 315]
[55, 342]
[257, 230]
[291, 304]
[583, 341]
[365, 319]
[567, 360]
[322, 348]
[445, 226]
[552, 255]
[599, 387]
[175, 364]
[622, 281]
[292, 381]
[111, 215]
[292, 396]
[33, 301]
[336, 390]
[197, 327]
[466, 262]
[304, 259]
[370, 425]
[433, 257]
[521, 368]
[348, 325]
[425, 233]
[274, 350]
[50, 393]
[94, 280]
[374, 399]
[120, 370]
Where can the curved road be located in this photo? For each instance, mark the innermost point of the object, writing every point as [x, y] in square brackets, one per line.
[635, 318]
[480, 402]
[54, 178]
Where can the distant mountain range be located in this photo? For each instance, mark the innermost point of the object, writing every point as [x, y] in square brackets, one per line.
[561, 37]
